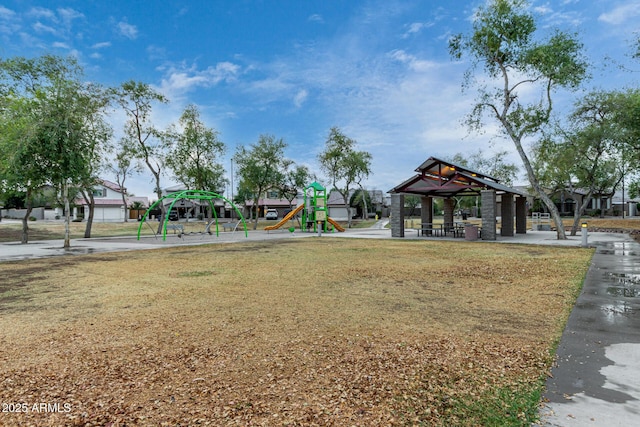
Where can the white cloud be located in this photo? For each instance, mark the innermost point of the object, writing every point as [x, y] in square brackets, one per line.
[416, 28]
[9, 21]
[178, 81]
[315, 18]
[300, 97]
[42, 13]
[6, 13]
[101, 45]
[127, 30]
[60, 45]
[413, 62]
[68, 14]
[621, 14]
[41, 28]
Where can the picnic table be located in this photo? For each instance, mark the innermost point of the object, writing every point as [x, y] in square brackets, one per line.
[442, 230]
[431, 229]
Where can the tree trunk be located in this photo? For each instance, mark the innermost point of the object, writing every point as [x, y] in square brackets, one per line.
[533, 180]
[92, 206]
[257, 211]
[163, 212]
[579, 212]
[124, 202]
[67, 216]
[347, 207]
[25, 220]
[365, 214]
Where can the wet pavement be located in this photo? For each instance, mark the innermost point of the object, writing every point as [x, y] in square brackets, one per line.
[597, 378]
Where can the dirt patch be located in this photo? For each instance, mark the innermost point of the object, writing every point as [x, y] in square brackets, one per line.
[311, 332]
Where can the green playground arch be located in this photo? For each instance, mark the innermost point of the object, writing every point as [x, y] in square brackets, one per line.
[209, 196]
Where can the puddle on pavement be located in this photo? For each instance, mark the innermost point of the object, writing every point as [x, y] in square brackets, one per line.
[618, 309]
[77, 250]
[623, 292]
[619, 248]
[631, 278]
[619, 252]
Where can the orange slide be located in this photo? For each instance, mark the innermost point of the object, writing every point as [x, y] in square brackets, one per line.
[335, 224]
[284, 220]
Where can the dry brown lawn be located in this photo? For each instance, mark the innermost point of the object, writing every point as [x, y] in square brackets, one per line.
[293, 332]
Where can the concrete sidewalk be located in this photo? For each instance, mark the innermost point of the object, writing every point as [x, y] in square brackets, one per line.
[596, 381]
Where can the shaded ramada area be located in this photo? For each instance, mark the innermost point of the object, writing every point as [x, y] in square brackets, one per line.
[446, 180]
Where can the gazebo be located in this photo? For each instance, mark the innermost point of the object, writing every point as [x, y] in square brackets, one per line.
[439, 178]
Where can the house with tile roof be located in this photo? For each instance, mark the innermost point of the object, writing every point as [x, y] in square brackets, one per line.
[109, 207]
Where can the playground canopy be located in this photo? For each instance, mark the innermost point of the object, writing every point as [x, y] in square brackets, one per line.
[201, 195]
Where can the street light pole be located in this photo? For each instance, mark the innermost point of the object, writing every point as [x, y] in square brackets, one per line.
[232, 213]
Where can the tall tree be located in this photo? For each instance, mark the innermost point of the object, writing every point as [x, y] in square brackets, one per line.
[580, 159]
[294, 179]
[260, 169]
[48, 137]
[122, 168]
[141, 137]
[344, 166]
[502, 42]
[195, 152]
[98, 135]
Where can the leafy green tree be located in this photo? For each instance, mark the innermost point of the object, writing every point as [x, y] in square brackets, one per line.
[46, 133]
[141, 138]
[122, 168]
[98, 145]
[194, 153]
[344, 166]
[294, 179]
[495, 166]
[259, 169]
[502, 42]
[582, 156]
[411, 201]
[361, 199]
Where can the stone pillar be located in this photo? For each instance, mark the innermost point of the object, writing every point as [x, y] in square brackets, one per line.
[426, 214]
[397, 215]
[449, 203]
[507, 215]
[488, 198]
[521, 215]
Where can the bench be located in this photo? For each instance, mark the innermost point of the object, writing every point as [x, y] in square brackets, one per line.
[176, 228]
[230, 226]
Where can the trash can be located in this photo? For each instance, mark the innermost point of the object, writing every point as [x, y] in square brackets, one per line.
[464, 216]
[470, 232]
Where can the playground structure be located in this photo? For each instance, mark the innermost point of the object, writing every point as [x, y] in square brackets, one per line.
[314, 211]
[201, 195]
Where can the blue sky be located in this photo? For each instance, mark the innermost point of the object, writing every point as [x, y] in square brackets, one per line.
[379, 69]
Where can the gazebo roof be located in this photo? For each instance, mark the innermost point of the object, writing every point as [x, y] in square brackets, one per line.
[439, 178]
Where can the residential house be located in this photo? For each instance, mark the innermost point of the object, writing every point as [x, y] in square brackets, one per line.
[108, 203]
[271, 201]
[338, 211]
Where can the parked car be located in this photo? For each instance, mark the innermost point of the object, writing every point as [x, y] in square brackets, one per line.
[271, 214]
[173, 215]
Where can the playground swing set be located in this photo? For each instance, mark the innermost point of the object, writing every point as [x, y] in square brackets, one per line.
[201, 195]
